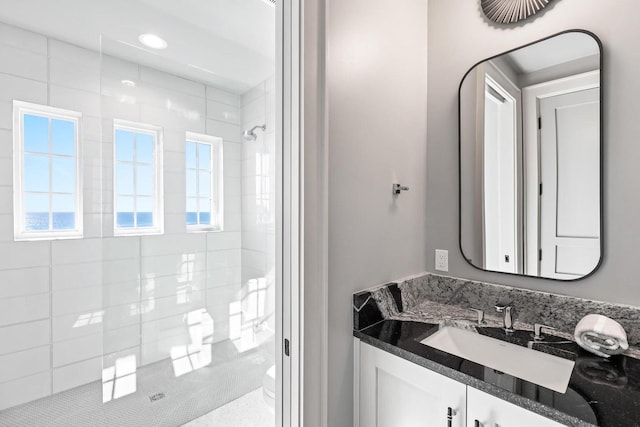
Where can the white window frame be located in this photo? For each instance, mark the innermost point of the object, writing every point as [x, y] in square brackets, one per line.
[217, 181]
[158, 193]
[20, 108]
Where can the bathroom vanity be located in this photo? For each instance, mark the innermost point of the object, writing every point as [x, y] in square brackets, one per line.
[401, 381]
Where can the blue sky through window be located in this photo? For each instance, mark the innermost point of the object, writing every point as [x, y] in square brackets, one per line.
[49, 173]
[135, 179]
[198, 182]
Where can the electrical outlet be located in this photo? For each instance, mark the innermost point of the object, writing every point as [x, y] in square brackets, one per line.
[442, 260]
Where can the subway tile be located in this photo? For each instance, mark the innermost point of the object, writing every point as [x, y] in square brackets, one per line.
[118, 248]
[224, 276]
[174, 223]
[224, 240]
[183, 265]
[21, 282]
[232, 151]
[23, 39]
[223, 112]
[72, 276]
[255, 112]
[76, 251]
[74, 74]
[254, 240]
[77, 374]
[25, 389]
[72, 326]
[176, 286]
[21, 89]
[77, 349]
[222, 96]
[174, 141]
[24, 336]
[78, 300]
[122, 107]
[6, 200]
[175, 183]
[174, 305]
[123, 270]
[24, 363]
[175, 119]
[253, 94]
[168, 327]
[169, 81]
[116, 69]
[120, 339]
[120, 316]
[23, 63]
[75, 99]
[178, 103]
[6, 228]
[175, 244]
[121, 293]
[232, 168]
[174, 161]
[254, 259]
[227, 131]
[24, 309]
[223, 259]
[6, 119]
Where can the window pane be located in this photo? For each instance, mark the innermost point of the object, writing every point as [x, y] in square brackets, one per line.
[144, 180]
[190, 155]
[36, 208]
[191, 184]
[204, 183]
[204, 156]
[64, 175]
[192, 211]
[63, 212]
[36, 134]
[144, 215]
[62, 137]
[124, 145]
[144, 148]
[205, 211]
[124, 212]
[36, 173]
[124, 179]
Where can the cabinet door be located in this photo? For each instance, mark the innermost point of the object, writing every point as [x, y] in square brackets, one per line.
[490, 411]
[397, 393]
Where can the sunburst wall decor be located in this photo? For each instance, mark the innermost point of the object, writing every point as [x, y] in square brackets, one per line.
[510, 11]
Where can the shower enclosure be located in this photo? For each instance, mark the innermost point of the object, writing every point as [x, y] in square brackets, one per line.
[140, 213]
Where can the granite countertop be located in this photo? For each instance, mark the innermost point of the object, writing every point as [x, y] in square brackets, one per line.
[602, 392]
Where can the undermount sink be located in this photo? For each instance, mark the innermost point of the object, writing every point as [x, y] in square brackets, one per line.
[530, 365]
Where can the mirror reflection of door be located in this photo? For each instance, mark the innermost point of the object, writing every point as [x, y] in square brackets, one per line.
[530, 156]
[500, 234]
[569, 203]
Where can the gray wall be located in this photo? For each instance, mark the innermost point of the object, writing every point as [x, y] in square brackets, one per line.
[459, 36]
[377, 128]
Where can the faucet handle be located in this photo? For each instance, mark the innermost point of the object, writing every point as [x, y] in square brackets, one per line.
[480, 314]
[502, 304]
[537, 329]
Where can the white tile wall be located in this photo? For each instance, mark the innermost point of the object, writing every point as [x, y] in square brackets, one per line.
[66, 306]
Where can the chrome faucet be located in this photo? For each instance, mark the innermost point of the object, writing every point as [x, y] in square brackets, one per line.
[504, 307]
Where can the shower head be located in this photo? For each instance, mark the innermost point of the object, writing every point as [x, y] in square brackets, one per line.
[250, 135]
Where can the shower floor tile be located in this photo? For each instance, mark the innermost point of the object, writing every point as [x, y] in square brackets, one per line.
[176, 400]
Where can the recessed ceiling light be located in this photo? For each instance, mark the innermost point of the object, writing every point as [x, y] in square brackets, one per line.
[153, 41]
[129, 83]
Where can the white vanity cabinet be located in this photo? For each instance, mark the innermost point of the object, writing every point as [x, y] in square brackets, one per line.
[485, 410]
[393, 392]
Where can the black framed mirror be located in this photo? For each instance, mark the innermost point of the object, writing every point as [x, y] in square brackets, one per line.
[530, 159]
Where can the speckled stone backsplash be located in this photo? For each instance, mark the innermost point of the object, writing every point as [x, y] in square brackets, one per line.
[530, 307]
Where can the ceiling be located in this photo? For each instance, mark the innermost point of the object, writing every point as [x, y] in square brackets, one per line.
[554, 51]
[226, 43]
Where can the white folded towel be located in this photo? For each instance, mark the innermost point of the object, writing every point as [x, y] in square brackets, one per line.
[601, 335]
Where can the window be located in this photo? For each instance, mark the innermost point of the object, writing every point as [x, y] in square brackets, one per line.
[137, 192]
[203, 155]
[47, 189]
